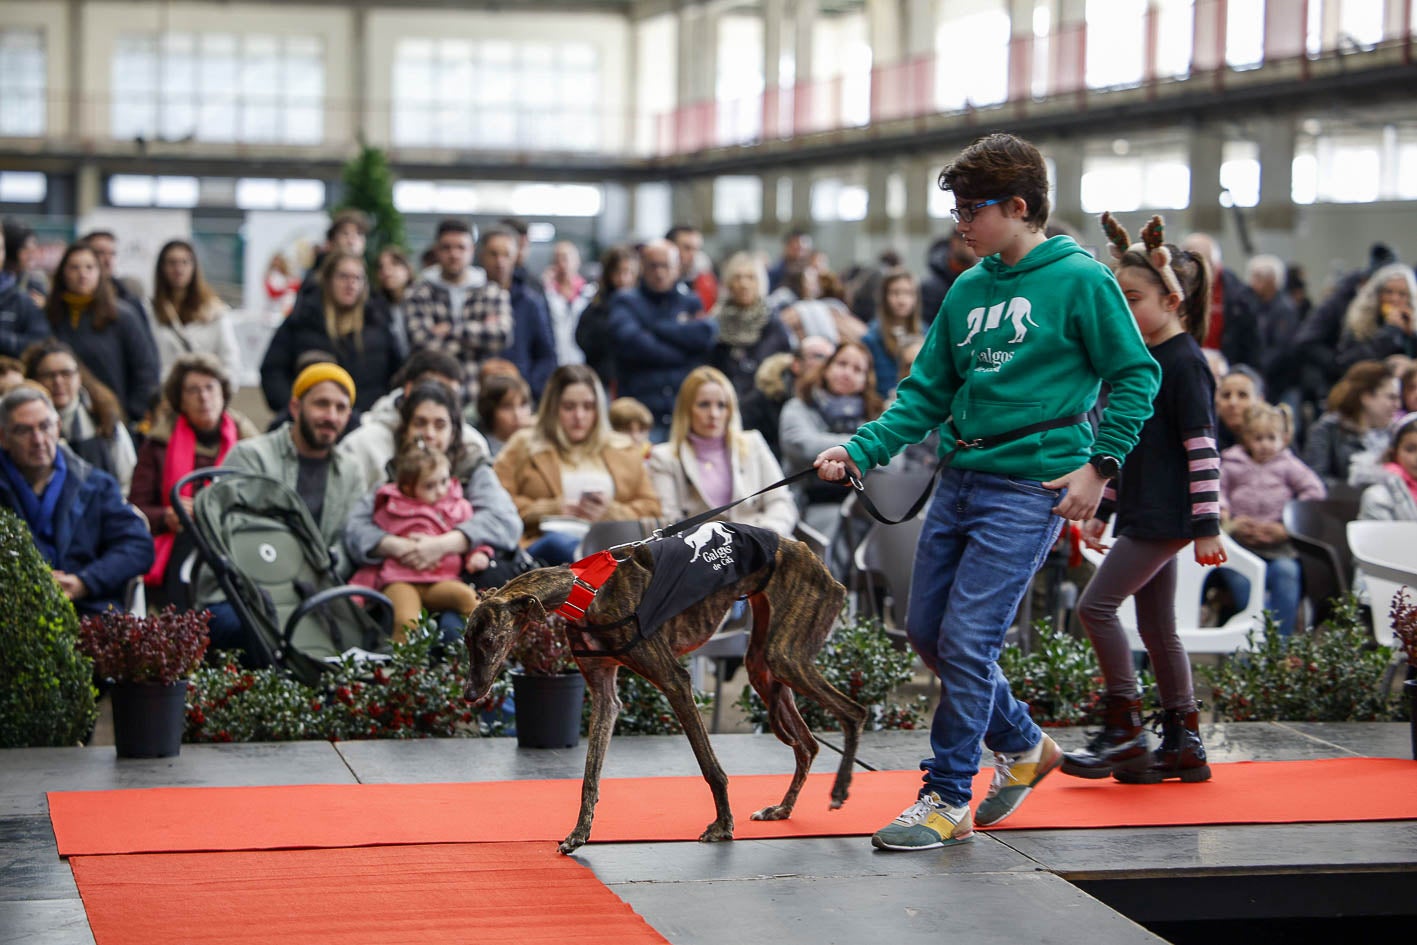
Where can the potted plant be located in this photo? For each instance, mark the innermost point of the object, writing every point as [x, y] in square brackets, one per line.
[547, 687]
[148, 659]
[1404, 628]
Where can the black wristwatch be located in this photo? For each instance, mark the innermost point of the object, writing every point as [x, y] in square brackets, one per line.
[1107, 466]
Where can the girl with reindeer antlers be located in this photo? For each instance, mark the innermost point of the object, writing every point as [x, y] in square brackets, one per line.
[1167, 497]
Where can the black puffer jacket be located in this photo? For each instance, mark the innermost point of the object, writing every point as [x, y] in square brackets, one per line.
[372, 362]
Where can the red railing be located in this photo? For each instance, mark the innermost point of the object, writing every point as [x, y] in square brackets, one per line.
[912, 88]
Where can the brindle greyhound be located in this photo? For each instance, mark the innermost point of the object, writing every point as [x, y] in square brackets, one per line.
[792, 616]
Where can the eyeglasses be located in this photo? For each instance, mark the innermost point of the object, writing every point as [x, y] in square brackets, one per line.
[49, 377]
[965, 212]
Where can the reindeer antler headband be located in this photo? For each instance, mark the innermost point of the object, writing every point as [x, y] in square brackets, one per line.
[1152, 247]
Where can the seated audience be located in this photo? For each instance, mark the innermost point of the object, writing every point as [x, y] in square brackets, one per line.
[1393, 498]
[1237, 390]
[897, 319]
[1278, 323]
[341, 319]
[709, 460]
[22, 322]
[196, 429]
[108, 337]
[747, 332]
[503, 408]
[1379, 321]
[93, 540]
[423, 501]
[90, 417]
[773, 384]
[571, 464]
[1258, 478]
[190, 318]
[660, 334]
[1407, 383]
[1360, 409]
[12, 373]
[830, 403]
[348, 232]
[619, 269]
[811, 313]
[428, 414]
[21, 261]
[632, 418]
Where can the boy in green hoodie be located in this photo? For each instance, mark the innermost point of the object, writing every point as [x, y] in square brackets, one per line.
[1009, 370]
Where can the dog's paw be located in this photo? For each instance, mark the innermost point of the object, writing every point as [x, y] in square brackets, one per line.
[571, 844]
[776, 812]
[717, 832]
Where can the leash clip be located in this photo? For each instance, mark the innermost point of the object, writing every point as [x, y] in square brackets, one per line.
[856, 483]
[974, 444]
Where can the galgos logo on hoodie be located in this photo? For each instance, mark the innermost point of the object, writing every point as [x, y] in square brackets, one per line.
[1017, 311]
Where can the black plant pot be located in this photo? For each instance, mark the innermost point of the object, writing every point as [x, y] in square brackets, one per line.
[1410, 688]
[148, 719]
[548, 710]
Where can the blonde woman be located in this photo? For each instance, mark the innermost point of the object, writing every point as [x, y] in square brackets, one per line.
[343, 320]
[710, 460]
[748, 330]
[1379, 322]
[570, 467]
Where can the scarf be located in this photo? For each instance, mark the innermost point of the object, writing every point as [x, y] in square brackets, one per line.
[76, 423]
[77, 304]
[38, 510]
[843, 413]
[1405, 477]
[181, 459]
[739, 326]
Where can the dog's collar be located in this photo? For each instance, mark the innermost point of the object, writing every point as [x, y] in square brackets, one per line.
[589, 574]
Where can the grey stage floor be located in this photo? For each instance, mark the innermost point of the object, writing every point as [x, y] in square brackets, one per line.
[1016, 886]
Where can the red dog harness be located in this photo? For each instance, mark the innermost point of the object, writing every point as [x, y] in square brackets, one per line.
[589, 574]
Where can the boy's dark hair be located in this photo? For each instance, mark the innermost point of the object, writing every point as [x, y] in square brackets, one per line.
[415, 461]
[678, 228]
[451, 226]
[627, 412]
[1001, 165]
[498, 231]
[1193, 273]
[516, 224]
[348, 217]
[494, 390]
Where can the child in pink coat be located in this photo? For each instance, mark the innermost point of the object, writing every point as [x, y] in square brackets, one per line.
[423, 499]
[1258, 477]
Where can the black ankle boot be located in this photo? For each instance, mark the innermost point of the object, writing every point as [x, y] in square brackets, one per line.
[1121, 742]
[1181, 755]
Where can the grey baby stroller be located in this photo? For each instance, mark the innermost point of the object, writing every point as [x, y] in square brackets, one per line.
[256, 538]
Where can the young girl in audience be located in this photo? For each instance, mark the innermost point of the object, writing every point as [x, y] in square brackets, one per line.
[1165, 499]
[423, 499]
[503, 408]
[1257, 478]
[1394, 497]
[897, 320]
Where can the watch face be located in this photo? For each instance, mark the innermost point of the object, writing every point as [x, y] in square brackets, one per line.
[1107, 465]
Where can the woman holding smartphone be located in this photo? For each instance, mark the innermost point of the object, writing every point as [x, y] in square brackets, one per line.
[569, 468]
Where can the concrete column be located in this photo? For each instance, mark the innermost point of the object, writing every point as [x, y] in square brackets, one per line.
[919, 176]
[690, 42]
[1276, 208]
[1205, 146]
[359, 52]
[804, 109]
[1067, 47]
[767, 219]
[1067, 170]
[1208, 37]
[1020, 50]
[74, 117]
[878, 220]
[918, 24]
[88, 189]
[801, 215]
[1283, 31]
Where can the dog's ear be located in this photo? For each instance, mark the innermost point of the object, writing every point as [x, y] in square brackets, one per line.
[530, 599]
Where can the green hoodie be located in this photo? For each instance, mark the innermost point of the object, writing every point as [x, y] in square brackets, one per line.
[1016, 345]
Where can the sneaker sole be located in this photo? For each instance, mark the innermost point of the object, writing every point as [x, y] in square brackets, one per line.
[898, 848]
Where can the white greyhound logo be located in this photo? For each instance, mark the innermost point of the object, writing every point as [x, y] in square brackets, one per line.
[980, 319]
[700, 537]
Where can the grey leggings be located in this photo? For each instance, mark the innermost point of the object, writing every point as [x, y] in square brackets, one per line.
[1146, 572]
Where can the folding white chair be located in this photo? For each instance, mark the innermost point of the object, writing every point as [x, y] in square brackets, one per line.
[1386, 556]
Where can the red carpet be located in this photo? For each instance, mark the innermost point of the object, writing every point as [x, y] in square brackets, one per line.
[639, 809]
[446, 893]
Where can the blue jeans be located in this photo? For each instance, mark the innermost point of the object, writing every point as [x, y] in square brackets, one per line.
[983, 539]
[555, 548]
[1283, 586]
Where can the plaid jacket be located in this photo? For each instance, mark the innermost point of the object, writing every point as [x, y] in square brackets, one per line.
[482, 330]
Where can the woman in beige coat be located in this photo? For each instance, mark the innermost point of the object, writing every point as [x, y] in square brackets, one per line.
[709, 460]
[569, 468]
